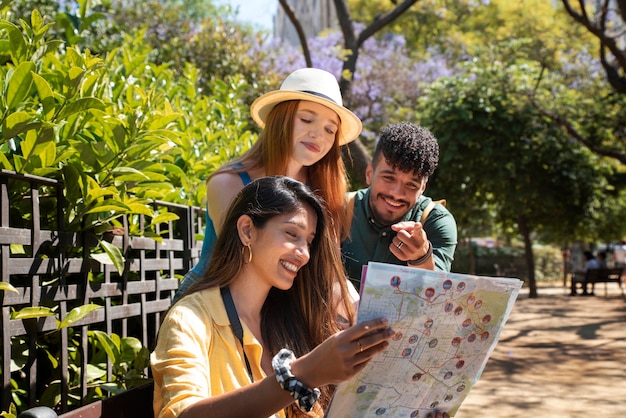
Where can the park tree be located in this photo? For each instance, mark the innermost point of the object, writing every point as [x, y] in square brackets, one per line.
[602, 128]
[203, 34]
[570, 89]
[457, 27]
[116, 128]
[500, 156]
[606, 21]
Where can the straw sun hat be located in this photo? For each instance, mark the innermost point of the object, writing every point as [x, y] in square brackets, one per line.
[313, 85]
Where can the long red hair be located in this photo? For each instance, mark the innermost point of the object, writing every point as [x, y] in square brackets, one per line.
[271, 152]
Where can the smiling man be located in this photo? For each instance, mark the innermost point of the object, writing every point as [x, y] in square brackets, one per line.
[392, 221]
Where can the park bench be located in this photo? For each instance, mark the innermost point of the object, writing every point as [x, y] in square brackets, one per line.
[608, 275]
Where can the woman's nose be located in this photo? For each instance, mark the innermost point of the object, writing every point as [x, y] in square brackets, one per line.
[303, 251]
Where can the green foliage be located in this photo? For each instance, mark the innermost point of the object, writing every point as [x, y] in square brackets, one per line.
[508, 260]
[7, 286]
[459, 27]
[77, 314]
[203, 35]
[119, 131]
[30, 312]
[116, 129]
[513, 161]
[12, 413]
[129, 359]
[20, 351]
[129, 362]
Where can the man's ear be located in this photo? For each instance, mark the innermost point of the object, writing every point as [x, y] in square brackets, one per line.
[369, 174]
[245, 228]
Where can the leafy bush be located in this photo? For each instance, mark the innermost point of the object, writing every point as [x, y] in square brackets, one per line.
[117, 130]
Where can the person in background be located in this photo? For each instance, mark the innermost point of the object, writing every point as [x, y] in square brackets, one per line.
[304, 125]
[601, 257]
[256, 335]
[619, 254]
[591, 262]
[392, 221]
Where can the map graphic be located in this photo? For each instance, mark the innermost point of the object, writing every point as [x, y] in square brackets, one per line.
[446, 327]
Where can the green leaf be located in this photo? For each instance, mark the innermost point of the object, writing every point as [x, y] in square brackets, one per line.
[46, 96]
[81, 105]
[75, 74]
[12, 413]
[77, 314]
[163, 121]
[108, 345]
[28, 145]
[112, 206]
[17, 249]
[47, 153]
[6, 164]
[95, 373]
[140, 208]
[165, 217]
[97, 192]
[32, 312]
[38, 24]
[130, 348]
[54, 361]
[19, 85]
[129, 174]
[18, 47]
[115, 254]
[19, 122]
[7, 286]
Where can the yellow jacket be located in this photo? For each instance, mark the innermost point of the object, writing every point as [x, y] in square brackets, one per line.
[197, 355]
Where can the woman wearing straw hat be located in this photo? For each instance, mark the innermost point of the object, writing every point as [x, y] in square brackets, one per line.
[304, 124]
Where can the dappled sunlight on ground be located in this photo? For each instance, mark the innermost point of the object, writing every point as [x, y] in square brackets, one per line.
[558, 356]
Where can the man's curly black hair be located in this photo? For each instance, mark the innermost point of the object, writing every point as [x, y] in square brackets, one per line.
[409, 148]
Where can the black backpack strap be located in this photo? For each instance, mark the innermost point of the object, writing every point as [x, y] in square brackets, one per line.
[233, 317]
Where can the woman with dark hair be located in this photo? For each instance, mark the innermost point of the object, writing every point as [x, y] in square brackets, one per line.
[259, 330]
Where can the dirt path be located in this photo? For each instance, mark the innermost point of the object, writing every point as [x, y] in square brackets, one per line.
[558, 356]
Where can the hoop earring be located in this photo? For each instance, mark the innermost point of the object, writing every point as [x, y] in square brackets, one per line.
[243, 249]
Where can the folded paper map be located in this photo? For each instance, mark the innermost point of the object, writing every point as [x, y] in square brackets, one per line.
[446, 327]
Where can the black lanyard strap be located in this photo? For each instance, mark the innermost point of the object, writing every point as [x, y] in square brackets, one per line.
[233, 317]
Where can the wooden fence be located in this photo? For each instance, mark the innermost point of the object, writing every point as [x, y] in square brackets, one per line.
[40, 260]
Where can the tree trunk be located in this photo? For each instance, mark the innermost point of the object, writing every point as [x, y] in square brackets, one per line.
[356, 160]
[472, 257]
[530, 258]
[567, 264]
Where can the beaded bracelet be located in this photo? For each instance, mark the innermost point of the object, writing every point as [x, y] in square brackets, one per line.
[422, 259]
[305, 396]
